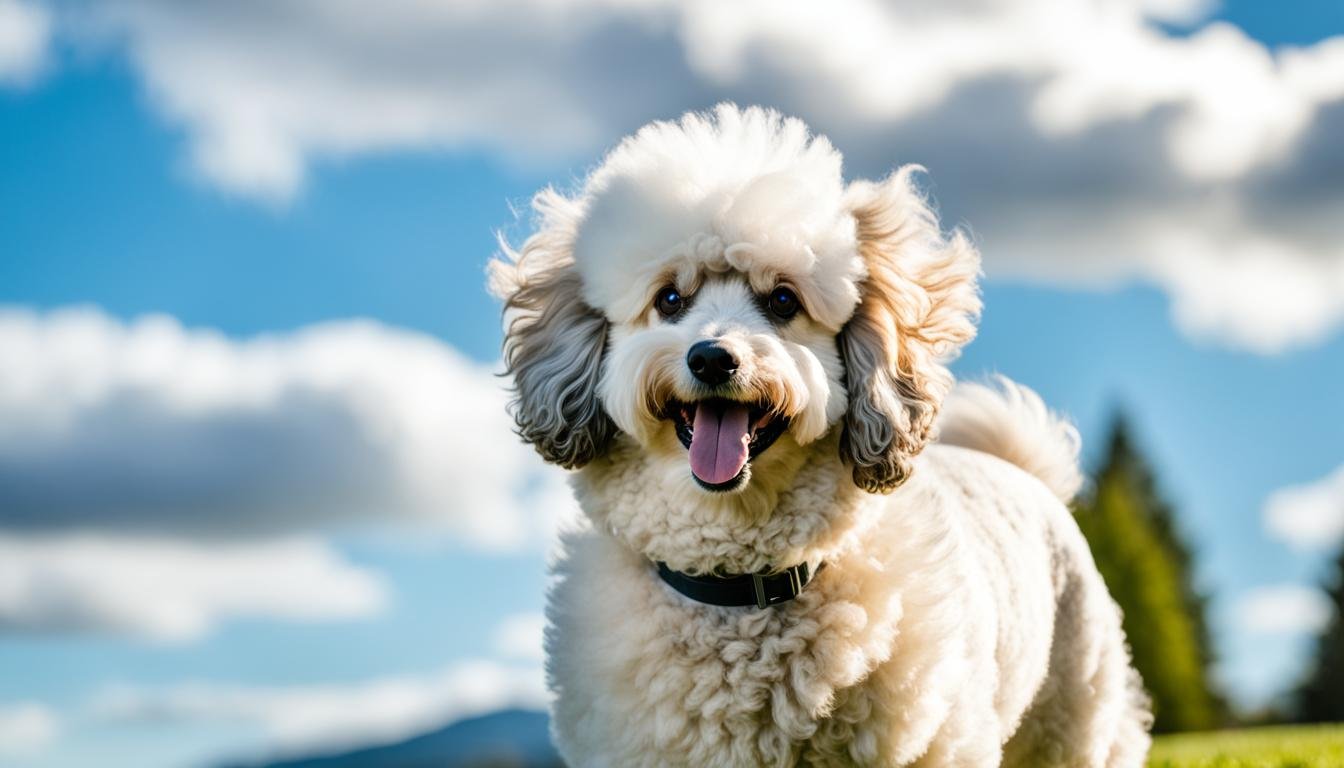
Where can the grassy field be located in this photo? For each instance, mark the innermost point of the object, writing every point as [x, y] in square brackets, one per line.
[1280, 747]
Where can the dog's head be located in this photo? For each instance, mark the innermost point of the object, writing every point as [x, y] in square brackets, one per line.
[717, 292]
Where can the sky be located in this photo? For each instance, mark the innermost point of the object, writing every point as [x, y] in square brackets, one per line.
[257, 488]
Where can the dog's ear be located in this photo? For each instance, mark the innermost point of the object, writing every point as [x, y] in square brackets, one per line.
[918, 306]
[554, 341]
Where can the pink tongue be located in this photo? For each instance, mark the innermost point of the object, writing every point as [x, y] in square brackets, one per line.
[719, 441]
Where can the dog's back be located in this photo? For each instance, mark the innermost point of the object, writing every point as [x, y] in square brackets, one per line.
[1091, 703]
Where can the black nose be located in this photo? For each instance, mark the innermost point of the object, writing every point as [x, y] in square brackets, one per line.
[711, 363]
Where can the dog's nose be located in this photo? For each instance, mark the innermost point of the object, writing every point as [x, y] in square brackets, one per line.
[711, 363]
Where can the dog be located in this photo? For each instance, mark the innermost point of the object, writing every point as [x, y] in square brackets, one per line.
[744, 359]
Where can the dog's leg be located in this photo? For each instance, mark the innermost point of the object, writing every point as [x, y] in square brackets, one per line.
[1090, 711]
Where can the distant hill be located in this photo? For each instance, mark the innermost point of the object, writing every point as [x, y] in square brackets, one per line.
[511, 738]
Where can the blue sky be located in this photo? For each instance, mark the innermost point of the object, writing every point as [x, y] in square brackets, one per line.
[118, 195]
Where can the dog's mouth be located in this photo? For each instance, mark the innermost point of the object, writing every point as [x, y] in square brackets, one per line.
[723, 436]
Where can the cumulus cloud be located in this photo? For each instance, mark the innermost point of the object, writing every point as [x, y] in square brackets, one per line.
[25, 32]
[170, 591]
[1283, 610]
[157, 480]
[332, 716]
[154, 429]
[1308, 517]
[1083, 142]
[266, 86]
[26, 728]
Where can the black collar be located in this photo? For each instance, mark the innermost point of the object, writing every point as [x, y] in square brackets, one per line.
[760, 590]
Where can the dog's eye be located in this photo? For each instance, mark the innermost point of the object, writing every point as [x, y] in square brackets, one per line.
[669, 302]
[783, 303]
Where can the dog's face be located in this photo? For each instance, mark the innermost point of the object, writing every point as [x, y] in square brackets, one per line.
[718, 368]
[718, 294]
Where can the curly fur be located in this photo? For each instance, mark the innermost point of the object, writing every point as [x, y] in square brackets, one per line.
[919, 304]
[554, 342]
[959, 620]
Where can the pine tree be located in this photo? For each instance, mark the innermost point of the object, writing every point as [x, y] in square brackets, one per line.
[1148, 569]
[1321, 697]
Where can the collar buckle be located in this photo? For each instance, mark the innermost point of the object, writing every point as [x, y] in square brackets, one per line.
[758, 587]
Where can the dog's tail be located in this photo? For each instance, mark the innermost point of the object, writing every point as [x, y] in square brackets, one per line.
[1010, 421]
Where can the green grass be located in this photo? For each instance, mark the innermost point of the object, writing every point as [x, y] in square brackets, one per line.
[1313, 746]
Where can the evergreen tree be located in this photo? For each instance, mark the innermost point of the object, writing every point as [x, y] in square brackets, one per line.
[1321, 697]
[1148, 569]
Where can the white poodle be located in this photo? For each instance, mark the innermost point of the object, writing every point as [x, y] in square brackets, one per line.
[744, 358]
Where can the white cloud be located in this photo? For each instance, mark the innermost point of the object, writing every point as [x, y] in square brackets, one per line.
[1081, 140]
[25, 31]
[148, 428]
[26, 728]
[520, 637]
[264, 88]
[1283, 609]
[171, 591]
[333, 716]
[1311, 516]
[157, 480]
[1228, 282]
